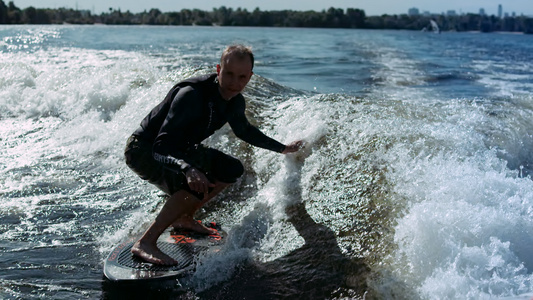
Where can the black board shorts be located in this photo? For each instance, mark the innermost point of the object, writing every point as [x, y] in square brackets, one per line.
[216, 165]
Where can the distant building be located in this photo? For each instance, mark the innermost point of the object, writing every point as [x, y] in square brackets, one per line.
[451, 13]
[413, 11]
[481, 11]
[500, 11]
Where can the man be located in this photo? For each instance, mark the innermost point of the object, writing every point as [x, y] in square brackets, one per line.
[166, 150]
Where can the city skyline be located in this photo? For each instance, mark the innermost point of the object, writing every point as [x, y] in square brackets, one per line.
[414, 11]
[374, 7]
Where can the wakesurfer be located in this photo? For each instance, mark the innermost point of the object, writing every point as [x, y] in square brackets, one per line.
[167, 148]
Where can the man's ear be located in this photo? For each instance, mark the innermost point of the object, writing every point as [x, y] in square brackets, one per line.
[218, 69]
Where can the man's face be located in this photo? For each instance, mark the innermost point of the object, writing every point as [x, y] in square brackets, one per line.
[233, 76]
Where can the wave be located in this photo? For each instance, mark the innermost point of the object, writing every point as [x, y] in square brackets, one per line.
[398, 193]
[414, 187]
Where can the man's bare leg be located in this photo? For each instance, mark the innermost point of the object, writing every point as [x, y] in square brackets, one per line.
[176, 206]
[178, 210]
[186, 220]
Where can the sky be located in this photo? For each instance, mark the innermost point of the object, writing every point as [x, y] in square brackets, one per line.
[371, 7]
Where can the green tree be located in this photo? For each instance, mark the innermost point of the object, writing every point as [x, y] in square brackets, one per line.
[3, 13]
[14, 15]
[239, 17]
[186, 17]
[528, 25]
[356, 17]
[222, 16]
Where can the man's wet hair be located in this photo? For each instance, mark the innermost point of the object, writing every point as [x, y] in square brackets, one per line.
[240, 51]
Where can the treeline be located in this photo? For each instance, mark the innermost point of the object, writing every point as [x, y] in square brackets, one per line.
[223, 16]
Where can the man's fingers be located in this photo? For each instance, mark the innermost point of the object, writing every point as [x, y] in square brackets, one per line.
[199, 183]
[201, 187]
[294, 146]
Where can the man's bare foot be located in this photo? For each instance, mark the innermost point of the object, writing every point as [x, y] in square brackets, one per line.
[188, 223]
[152, 254]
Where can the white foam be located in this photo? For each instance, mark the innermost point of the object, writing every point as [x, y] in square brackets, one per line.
[506, 78]
[243, 238]
[466, 232]
[452, 166]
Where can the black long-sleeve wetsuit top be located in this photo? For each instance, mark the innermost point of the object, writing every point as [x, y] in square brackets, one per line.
[191, 112]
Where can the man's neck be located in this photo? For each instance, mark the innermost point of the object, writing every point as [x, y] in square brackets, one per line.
[222, 94]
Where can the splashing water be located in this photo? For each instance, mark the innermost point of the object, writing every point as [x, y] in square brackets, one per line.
[414, 183]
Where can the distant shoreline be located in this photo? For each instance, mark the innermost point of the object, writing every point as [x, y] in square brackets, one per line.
[223, 16]
[217, 26]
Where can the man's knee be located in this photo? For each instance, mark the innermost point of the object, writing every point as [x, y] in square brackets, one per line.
[237, 170]
[223, 167]
[232, 171]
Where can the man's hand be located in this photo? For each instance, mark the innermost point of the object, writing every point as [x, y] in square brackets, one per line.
[293, 147]
[198, 182]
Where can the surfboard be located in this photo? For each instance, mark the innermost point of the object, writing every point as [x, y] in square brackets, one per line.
[183, 246]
